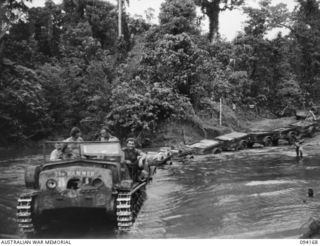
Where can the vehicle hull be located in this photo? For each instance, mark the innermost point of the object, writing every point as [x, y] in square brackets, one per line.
[90, 198]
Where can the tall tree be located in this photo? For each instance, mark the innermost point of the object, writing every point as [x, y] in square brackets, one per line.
[212, 9]
[10, 12]
[307, 45]
[267, 17]
[47, 23]
[149, 13]
[178, 16]
[267, 61]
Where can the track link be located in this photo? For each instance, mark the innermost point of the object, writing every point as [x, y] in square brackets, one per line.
[24, 214]
[128, 206]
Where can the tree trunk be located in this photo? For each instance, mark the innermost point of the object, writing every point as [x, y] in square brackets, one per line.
[213, 11]
[50, 34]
[1, 49]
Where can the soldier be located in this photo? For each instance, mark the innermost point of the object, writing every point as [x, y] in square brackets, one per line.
[75, 136]
[57, 153]
[105, 136]
[311, 116]
[299, 148]
[134, 158]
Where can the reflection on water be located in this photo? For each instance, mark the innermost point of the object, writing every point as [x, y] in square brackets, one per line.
[250, 194]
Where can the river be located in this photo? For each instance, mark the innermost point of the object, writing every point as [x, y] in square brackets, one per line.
[259, 193]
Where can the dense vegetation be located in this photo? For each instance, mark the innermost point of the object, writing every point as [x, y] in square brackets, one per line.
[64, 65]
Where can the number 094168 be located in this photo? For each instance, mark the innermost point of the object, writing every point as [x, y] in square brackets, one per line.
[309, 241]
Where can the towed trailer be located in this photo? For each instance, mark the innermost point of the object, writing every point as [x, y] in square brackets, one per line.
[237, 140]
[289, 134]
[264, 138]
[285, 133]
[233, 141]
[272, 138]
[305, 128]
[206, 146]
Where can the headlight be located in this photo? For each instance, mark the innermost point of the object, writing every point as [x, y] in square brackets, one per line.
[51, 184]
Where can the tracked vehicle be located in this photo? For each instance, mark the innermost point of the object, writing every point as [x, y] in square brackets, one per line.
[97, 179]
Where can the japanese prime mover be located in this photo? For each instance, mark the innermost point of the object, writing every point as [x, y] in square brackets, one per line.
[97, 179]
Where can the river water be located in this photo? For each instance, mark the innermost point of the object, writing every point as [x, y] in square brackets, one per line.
[259, 193]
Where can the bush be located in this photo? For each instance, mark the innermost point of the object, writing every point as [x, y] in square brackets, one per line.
[23, 107]
[139, 108]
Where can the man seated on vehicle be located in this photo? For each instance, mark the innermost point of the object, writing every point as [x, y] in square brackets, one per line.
[134, 158]
[56, 154]
[75, 134]
[105, 136]
[67, 152]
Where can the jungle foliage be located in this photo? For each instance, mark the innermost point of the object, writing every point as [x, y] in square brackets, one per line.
[64, 65]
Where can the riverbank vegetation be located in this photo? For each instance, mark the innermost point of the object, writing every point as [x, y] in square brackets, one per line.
[63, 65]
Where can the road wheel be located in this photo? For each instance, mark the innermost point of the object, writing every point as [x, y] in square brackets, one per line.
[250, 145]
[242, 145]
[216, 151]
[267, 141]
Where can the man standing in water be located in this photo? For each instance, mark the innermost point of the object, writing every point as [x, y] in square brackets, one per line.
[299, 148]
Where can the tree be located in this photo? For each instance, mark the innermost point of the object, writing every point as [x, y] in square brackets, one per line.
[23, 107]
[178, 16]
[75, 9]
[267, 17]
[212, 9]
[149, 13]
[163, 77]
[267, 62]
[306, 42]
[78, 85]
[47, 24]
[139, 107]
[10, 12]
[60, 66]
[102, 17]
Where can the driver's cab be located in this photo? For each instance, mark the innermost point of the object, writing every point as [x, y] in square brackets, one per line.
[103, 160]
[109, 151]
